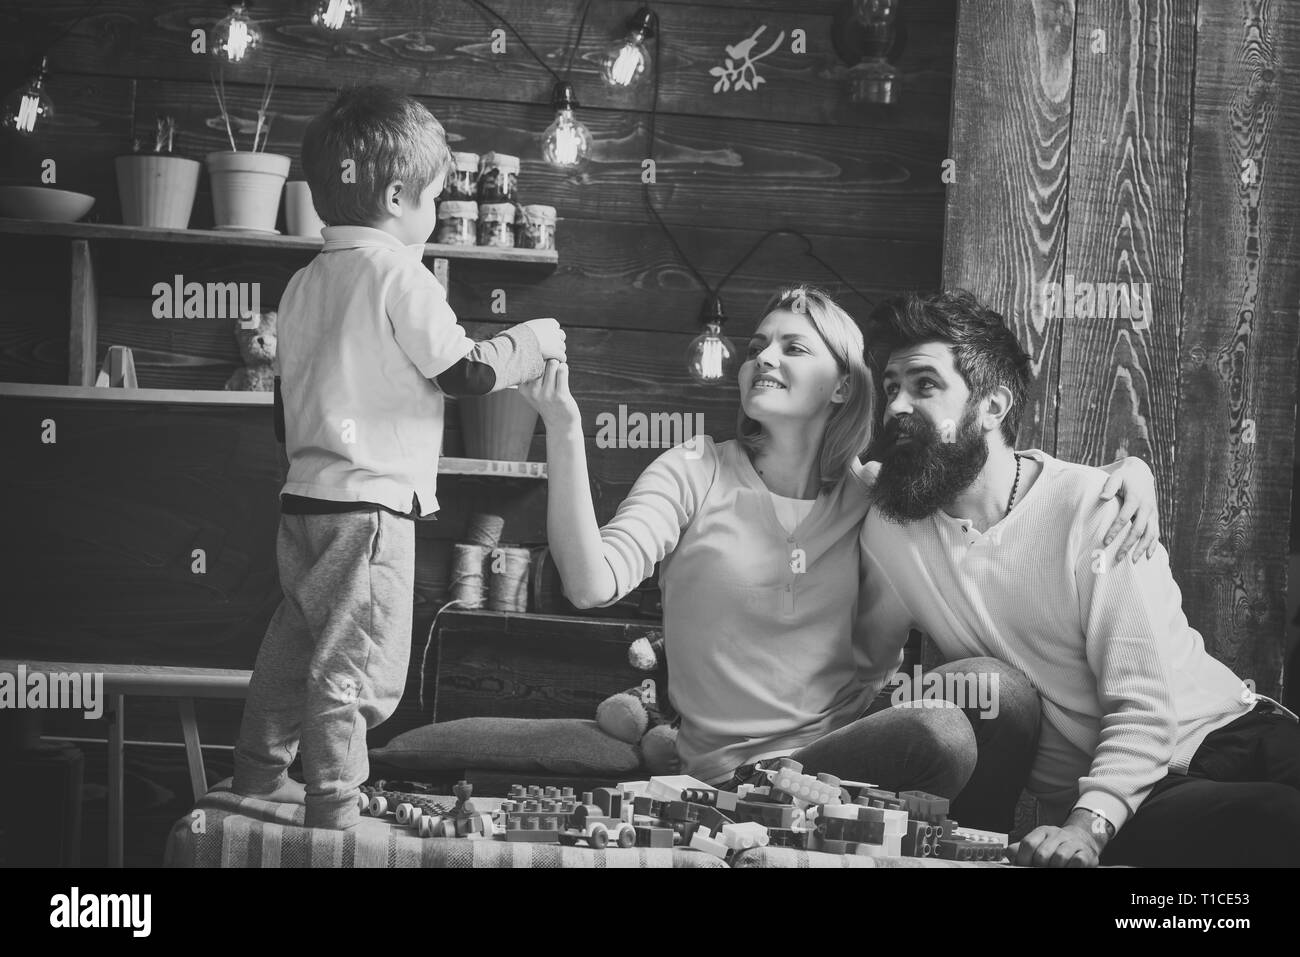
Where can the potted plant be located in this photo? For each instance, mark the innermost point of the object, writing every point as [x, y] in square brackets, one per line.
[246, 184]
[155, 187]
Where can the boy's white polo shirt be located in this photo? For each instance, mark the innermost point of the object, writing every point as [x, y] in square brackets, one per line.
[362, 330]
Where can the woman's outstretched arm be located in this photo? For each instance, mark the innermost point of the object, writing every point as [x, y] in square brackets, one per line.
[598, 566]
[571, 529]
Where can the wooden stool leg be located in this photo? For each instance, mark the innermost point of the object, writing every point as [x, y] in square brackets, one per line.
[193, 751]
[116, 748]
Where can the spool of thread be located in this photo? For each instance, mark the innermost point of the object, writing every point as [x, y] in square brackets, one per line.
[485, 529]
[508, 581]
[467, 568]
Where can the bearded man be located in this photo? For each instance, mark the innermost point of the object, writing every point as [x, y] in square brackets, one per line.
[1150, 751]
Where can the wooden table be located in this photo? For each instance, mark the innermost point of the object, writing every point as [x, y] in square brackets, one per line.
[161, 681]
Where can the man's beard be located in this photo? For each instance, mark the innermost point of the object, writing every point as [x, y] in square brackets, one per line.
[919, 477]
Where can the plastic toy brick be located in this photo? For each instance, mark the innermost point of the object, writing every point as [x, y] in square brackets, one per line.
[741, 836]
[712, 818]
[609, 800]
[655, 836]
[785, 837]
[769, 815]
[725, 800]
[847, 812]
[681, 811]
[534, 837]
[975, 834]
[823, 789]
[707, 796]
[703, 840]
[684, 830]
[896, 822]
[838, 829]
[635, 788]
[670, 787]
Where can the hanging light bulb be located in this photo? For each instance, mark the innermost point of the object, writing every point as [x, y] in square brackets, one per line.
[28, 105]
[336, 14]
[566, 142]
[235, 36]
[628, 62]
[710, 358]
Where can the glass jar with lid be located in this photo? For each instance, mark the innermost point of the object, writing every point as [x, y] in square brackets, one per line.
[498, 178]
[457, 223]
[496, 225]
[462, 178]
[537, 227]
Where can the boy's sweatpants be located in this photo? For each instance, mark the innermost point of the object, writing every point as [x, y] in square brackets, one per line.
[334, 659]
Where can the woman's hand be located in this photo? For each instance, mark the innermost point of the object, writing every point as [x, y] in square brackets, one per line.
[549, 395]
[1136, 486]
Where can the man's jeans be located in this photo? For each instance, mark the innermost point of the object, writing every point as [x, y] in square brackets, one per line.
[979, 762]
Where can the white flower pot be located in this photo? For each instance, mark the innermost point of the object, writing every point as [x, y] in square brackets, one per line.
[156, 189]
[246, 189]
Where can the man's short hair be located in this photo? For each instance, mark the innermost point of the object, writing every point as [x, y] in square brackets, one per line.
[986, 353]
[386, 136]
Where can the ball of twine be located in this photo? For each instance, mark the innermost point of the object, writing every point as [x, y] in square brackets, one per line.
[508, 581]
[485, 529]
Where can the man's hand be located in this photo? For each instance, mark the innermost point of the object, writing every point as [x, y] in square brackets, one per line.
[550, 338]
[1136, 486]
[1078, 844]
[549, 395]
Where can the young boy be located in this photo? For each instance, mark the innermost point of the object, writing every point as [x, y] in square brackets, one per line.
[367, 346]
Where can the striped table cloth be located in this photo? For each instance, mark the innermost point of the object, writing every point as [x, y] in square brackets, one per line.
[226, 830]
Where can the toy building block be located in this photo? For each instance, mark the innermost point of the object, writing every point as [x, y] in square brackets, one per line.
[712, 818]
[648, 806]
[769, 815]
[921, 804]
[681, 811]
[670, 787]
[740, 837]
[635, 788]
[725, 800]
[822, 789]
[609, 800]
[683, 829]
[785, 837]
[703, 840]
[975, 834]
[589, 825]
[654, 836]
[895, 822]
[839, 829]
[707, 796]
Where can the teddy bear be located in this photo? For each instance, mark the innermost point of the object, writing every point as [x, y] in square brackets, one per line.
[643, 715]
[257, 346]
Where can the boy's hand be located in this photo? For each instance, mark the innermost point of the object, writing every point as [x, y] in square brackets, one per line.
[549, 395]
[550, 337]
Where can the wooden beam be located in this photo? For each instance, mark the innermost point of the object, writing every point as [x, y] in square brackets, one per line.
[1237, 376]
[1124, 254]
[84, 312]
[1006, 214]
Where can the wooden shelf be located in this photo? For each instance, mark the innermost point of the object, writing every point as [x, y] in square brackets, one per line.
[448, 465]
[164, 396]
[214, 237]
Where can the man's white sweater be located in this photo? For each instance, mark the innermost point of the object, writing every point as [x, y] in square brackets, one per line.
[1122, 676]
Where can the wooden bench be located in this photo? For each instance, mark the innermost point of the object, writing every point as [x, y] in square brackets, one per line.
[121, 681]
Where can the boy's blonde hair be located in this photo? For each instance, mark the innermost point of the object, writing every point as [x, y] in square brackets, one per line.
[387, 136]
[852, 422]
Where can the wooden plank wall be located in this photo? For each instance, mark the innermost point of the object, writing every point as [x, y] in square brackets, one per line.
[1150, 142]
[862, 182]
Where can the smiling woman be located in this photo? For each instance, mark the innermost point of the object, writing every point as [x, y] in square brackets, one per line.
[758, 596]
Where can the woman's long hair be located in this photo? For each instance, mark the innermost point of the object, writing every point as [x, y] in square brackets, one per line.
[852, 422]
